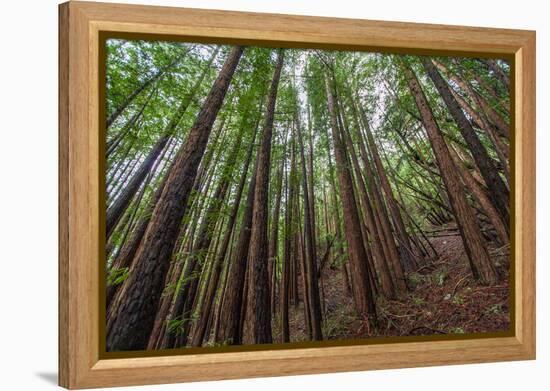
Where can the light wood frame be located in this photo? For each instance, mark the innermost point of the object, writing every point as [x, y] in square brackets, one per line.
[80, 24]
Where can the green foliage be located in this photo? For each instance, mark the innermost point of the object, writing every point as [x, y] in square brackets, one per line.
[415, 279]
[418, 301]
[440, 276]
[117, 276]
[458, 300]
[372, 83]
[456, 330]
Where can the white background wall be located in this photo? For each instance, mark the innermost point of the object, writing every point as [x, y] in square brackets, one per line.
[28, 193]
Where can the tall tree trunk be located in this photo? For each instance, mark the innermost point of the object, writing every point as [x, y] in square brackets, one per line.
[230, 314]
[499, 73]
[200, 328]
[498, 192]
[284, 298]
[202, 185]
[481, 265]
[482, 198]
[259, 315]
[274, 236]
[500, 125]
[310, 260]
[362, 291]
[404, 239]
[381, 224]
[131, 325]
[381, 265]
[185, 299]
[336, 218]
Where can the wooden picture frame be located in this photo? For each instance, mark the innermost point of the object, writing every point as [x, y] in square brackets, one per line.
[81, 24]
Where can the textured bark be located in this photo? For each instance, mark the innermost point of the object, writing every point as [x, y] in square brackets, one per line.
[498, 191]
[185, 298]
[259, 314]
[202, 185]
[481, 265]
[200, 328]
[499, 73]
[362, 291]
[284, 298]
[346, 140]
[310, 260]
[274, 236]
[404, 239]
[131, 325]
[127, 251]
[482, 197]
[496, 120]
[230, 314]
[381, 224]
[336, 217]
[381, 265]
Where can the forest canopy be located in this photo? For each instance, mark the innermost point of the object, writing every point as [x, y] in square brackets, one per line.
[263, 195]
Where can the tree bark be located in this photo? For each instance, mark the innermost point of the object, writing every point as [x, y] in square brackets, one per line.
[259, 315]
[498, 192]
[131, 325]
[200, 328]
[481, 265]
[362, 291]
[284, 298]
[310, 260]
[230, 314]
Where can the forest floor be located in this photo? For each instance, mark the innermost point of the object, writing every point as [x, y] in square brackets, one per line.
[444, 298]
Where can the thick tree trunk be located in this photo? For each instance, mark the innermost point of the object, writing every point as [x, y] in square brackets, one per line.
[202, 185]
[131, 325]
[362, 291]
[185, 299]
[481, 265]
[259, 315]
[482, 197]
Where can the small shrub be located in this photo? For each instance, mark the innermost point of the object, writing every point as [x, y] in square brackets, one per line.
[456, 330]
[415, 279]
[457, 299]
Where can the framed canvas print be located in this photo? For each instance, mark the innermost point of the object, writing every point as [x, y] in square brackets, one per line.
[248, 195]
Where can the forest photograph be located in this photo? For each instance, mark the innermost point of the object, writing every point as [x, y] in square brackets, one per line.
[275, 195]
